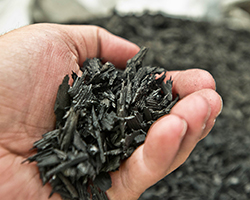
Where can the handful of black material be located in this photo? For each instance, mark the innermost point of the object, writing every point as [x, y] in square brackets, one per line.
[100, 120]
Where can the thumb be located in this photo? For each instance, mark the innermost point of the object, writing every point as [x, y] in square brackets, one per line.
[93, 41]
[150, 162]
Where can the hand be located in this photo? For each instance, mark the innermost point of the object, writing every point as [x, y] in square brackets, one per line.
[33, 62]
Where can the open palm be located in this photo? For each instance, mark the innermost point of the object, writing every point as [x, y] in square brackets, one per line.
[33, 62]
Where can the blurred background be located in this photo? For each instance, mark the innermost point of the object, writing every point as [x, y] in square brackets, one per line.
[182, 34]
[17, 13]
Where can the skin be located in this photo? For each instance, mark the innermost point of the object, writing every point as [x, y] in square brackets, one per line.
[33, 62]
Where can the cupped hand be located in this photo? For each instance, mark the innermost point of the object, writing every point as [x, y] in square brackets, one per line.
[33, 62]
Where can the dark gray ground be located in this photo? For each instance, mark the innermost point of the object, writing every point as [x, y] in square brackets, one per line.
[219, 167]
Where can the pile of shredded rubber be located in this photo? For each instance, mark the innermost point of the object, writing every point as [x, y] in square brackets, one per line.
[100, 120]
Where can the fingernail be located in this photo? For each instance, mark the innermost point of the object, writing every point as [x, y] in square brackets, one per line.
[183, 133]
[209, 112]
[204, 126]
[206, 119]
[220, 107]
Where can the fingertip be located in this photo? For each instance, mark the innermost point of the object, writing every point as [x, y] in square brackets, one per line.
[214, 99]
[192, 80]
[163, 141]
[216, 103]
[208, 79]
[195, 110]
[165, 123]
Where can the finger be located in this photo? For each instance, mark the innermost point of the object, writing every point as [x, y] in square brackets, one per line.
[93, 41]
[215, 102]
[189, 81]
[149, 163]
[195, 110]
